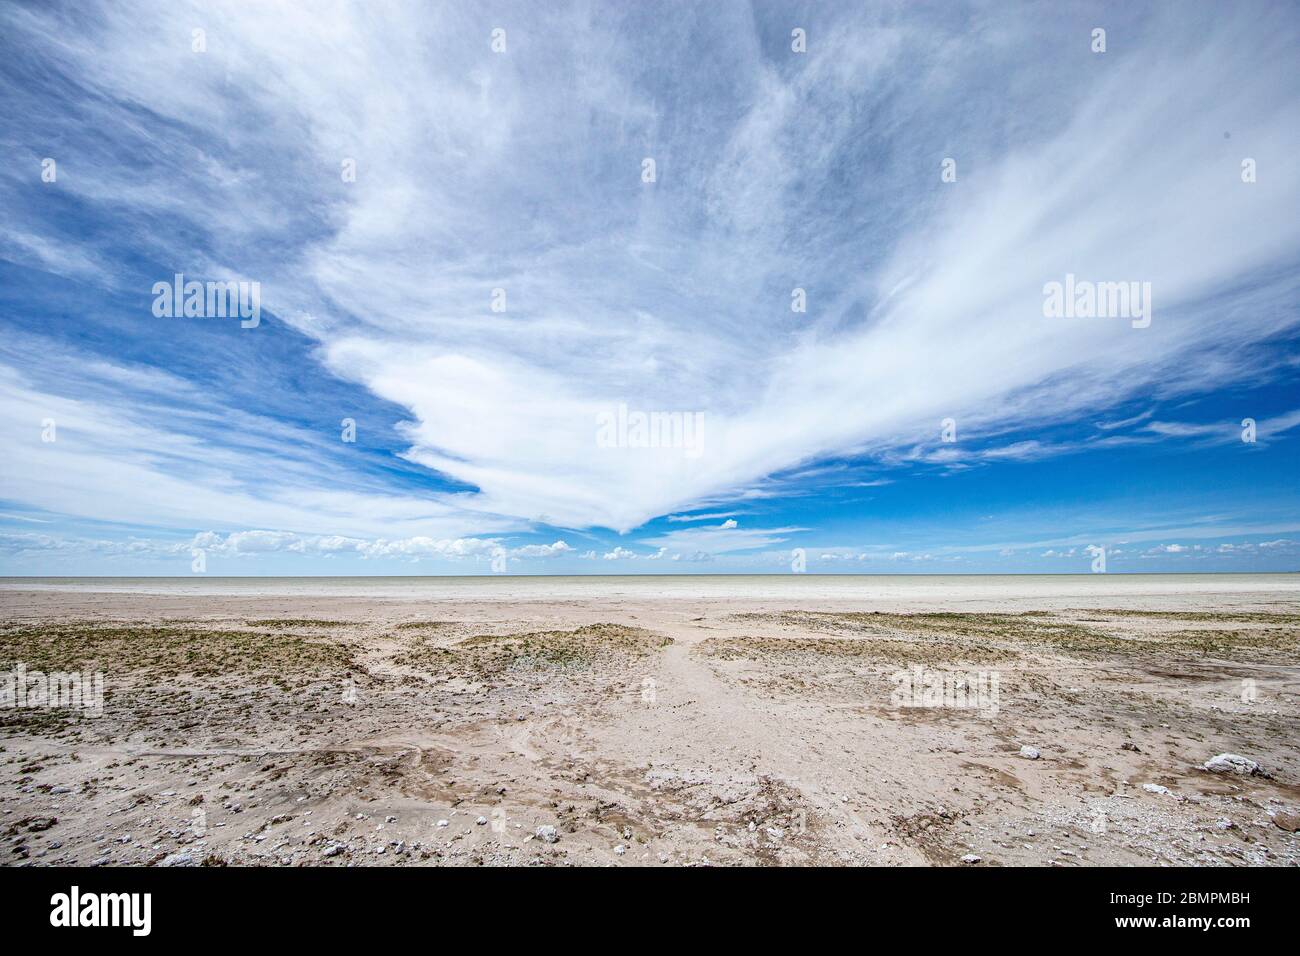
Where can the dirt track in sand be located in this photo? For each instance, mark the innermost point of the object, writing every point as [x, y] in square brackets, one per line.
[333, 730]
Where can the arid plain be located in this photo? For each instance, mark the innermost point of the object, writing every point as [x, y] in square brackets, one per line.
[987, 721]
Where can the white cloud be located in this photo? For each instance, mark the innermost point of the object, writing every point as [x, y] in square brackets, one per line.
[542, 550]
[265, 542]
[478, 172]
[720, 539]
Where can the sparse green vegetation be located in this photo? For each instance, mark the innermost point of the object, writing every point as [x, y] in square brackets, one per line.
[283, 622]
[166, 651]
[582, 648]
[1256, 636]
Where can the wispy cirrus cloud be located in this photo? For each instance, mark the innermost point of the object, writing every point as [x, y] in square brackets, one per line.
[720, 539]
[521, 172]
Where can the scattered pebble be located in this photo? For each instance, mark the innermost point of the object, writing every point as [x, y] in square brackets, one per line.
[1284, 820]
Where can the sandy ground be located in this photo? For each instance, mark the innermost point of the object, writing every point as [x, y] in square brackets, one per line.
[657, 728]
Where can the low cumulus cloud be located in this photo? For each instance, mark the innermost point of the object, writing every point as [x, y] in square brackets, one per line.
[243, 543]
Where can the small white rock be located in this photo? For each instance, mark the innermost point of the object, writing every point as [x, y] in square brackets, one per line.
[1029, 753]
[1231, 763]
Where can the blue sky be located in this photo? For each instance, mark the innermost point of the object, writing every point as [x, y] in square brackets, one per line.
[502, 274]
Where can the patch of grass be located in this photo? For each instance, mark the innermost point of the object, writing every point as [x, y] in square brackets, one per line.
[296, 622]
[1229, 643]
[1274, 633]
[1212, 617]
[584, 647]
[956, 628]
[587, 647]
[164, 651]
[810, 652]
[50, 721]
